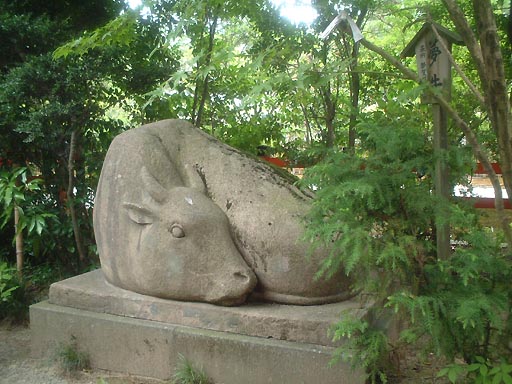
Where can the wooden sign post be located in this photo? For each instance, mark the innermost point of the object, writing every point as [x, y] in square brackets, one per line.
[432, 58]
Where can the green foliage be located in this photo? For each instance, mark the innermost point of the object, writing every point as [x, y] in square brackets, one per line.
[71, 359]
[376, 211]
[384, 210]
[39, 277]
[364, 347]
[452, 372]
[17, 294]
[186, 373]
[7, 283]
[43, 101]
[17, 191]
[21, 34]
[479, 372]
[13, 295]
[78, 15]
[259, 80]
[116, 32]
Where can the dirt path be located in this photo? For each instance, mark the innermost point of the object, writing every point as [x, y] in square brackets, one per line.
[17, 367]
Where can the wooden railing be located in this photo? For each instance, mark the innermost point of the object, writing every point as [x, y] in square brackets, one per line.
[479, 202]
[488, 202]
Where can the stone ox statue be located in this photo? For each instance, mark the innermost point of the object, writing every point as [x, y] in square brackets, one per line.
[179, 215]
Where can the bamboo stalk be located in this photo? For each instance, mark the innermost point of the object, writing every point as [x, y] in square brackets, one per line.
[19, 242]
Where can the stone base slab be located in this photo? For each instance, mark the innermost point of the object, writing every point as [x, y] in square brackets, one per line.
[308, 324]
[125, 332]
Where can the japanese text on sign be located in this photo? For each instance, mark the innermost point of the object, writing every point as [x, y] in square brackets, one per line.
[433, 64]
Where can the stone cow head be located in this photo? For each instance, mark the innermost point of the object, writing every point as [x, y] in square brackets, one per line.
[178, 245]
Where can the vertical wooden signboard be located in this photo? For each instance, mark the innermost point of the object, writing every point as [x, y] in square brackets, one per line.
[432, 59]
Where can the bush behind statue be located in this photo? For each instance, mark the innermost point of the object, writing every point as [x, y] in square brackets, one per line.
[376, 209]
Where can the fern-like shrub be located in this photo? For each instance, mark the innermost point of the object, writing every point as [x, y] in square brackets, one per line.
[377, 212]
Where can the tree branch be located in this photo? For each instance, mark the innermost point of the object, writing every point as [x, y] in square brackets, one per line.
[468, 82]
[460, 21]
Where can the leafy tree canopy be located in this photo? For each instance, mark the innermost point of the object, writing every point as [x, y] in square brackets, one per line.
[249, 77]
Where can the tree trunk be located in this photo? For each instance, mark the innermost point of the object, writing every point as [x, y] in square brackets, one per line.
[355, 83]
[19, 242]
[355, 87]
[71, 199]
[488, 59]
[205, 84]
[329, 105]
[309, 138]
[330, 113]
[495, 86]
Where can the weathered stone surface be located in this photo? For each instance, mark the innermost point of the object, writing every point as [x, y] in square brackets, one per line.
[256, 343]
[305, 324]
[152, 349]
[180, 215]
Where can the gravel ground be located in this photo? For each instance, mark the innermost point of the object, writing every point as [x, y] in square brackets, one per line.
[17, 367]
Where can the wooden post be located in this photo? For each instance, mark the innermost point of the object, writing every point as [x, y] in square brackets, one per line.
[434, 67]
[441, 178]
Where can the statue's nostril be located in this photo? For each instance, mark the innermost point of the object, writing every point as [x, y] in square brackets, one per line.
[240, 276]
[245, 279]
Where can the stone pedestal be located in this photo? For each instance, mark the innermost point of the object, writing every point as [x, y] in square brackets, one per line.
[126, 332]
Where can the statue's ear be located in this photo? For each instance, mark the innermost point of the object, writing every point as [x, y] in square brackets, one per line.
[138, 214]
[194, 178]
[153, 186]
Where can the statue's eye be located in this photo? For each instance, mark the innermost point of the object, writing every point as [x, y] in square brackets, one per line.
[177, 231]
